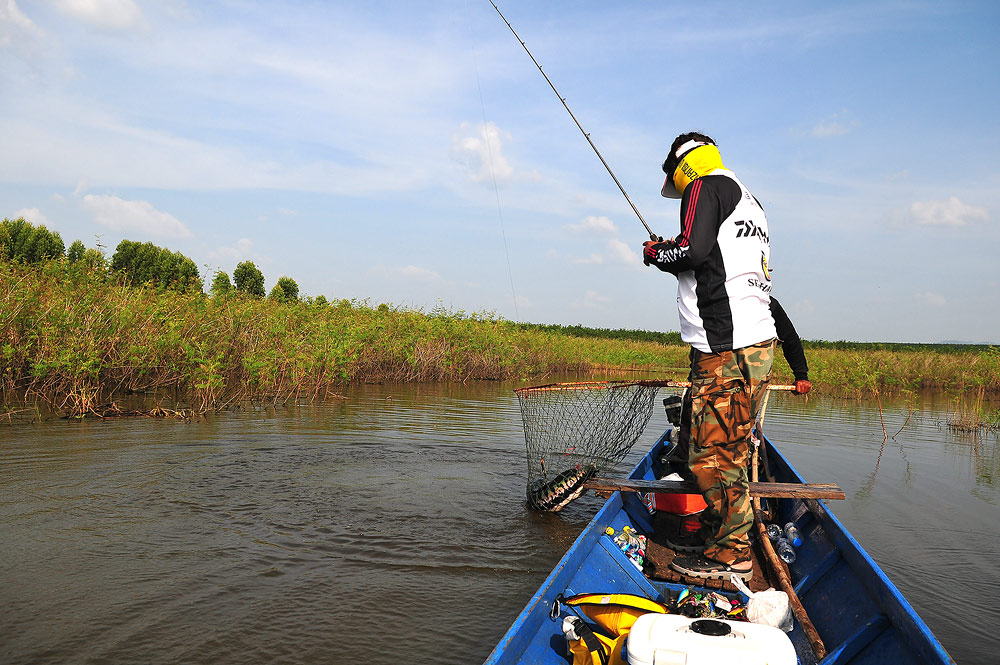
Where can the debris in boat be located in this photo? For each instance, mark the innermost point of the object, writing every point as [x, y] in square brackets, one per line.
[770, 607]
[696, 604]
[552, 496]
[633, 545]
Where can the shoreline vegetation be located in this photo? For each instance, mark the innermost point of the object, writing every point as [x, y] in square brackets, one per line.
[78, 332]
[73, 337]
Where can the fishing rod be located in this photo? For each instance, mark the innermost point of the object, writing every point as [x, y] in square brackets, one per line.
[652, 236]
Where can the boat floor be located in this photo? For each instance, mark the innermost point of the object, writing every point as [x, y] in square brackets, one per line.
[659, 556]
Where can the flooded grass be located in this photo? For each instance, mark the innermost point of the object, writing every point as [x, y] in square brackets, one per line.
[974, 416]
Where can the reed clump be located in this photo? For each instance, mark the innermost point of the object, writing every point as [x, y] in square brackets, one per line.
[973, 415]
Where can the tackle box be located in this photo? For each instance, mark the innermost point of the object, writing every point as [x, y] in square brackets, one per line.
[678, 504]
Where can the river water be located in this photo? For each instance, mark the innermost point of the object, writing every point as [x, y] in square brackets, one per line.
[391, 527]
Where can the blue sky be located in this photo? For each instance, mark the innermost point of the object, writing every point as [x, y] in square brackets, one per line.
[362, 148]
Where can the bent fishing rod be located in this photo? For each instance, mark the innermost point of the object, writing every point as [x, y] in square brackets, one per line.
[652, 236]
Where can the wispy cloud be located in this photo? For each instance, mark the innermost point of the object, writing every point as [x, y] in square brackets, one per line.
[111, 15]
[593, 224]
[410, 272]
[932, 299]
[229, 257]
[591, 300]
[836, 124]
[121, 215]
[592, 259]
[621, 252]
[479, 149]
[33, 215]
[952, 212]
[14, 24]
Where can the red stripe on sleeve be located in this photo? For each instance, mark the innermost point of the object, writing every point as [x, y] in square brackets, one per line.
[689, 217]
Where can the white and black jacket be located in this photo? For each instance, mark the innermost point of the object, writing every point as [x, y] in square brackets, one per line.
[720, 259]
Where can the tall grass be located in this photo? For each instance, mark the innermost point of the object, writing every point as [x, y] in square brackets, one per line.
[73, 337]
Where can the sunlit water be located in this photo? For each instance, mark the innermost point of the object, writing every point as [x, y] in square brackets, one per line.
[391, 527]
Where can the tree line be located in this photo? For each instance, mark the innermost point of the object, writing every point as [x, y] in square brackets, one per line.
[137, 263]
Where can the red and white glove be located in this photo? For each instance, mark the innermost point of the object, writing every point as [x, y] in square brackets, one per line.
[650, 249]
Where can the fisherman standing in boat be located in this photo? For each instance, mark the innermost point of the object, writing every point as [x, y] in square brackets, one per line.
[795, 356]
[720, 259]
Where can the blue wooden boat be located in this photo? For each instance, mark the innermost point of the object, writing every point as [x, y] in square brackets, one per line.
[860, 615]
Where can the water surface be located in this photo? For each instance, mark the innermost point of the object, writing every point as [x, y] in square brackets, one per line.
[395, 519]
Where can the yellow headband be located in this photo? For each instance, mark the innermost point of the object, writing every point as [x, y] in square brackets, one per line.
[696, 163]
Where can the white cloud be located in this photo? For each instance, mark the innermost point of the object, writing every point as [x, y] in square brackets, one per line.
[408, 273]
[836, 124]
[946, 213]
[122, 215]
[33, 215]
[15, 27]
[241, 251]
[591, 300]
[621, 252]
[932, 299]
[103, 14]
[481, 152]
[594, 259]
[592, 224]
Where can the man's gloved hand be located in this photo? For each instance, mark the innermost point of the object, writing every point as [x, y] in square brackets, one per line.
[649, 250]
[802, 387]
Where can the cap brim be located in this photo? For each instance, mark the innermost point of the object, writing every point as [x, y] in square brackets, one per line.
[669, 191]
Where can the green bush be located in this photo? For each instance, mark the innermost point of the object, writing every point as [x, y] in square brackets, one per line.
[94, 259]
[145, 263]
[286, 290]
[23, 242]
[249, 279]
[221, 285]
[75, 251]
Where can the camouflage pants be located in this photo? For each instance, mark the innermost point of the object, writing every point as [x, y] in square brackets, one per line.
[726, 389]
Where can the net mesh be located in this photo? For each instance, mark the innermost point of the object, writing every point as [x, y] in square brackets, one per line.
[575, 430]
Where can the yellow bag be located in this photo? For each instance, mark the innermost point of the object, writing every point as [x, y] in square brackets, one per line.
[613, 613]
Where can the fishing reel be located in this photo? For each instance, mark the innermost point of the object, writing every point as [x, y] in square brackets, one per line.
[673, 405]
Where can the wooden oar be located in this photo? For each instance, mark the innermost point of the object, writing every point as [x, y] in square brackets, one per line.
[779, 568]
[778, 490]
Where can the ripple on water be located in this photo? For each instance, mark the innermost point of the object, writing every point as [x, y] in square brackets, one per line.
[315, 534]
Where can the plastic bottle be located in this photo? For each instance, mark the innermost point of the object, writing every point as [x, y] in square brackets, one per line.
[792, 534]
[785, 550]
[774, 532]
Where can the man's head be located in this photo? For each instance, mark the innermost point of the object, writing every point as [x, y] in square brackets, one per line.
[680, 149]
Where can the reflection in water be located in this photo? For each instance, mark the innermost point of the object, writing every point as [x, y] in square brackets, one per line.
[396, 517]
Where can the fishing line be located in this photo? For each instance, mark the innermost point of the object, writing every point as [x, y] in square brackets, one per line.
[496, 187]
[652, 236]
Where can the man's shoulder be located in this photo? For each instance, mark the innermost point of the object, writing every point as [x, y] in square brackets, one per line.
[723, 186]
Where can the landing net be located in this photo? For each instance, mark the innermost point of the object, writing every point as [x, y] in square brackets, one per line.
[575, 430]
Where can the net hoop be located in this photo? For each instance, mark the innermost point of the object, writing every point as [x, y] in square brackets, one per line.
[576, 429]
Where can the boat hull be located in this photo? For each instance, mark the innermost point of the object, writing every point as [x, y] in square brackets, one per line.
[860, 615]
